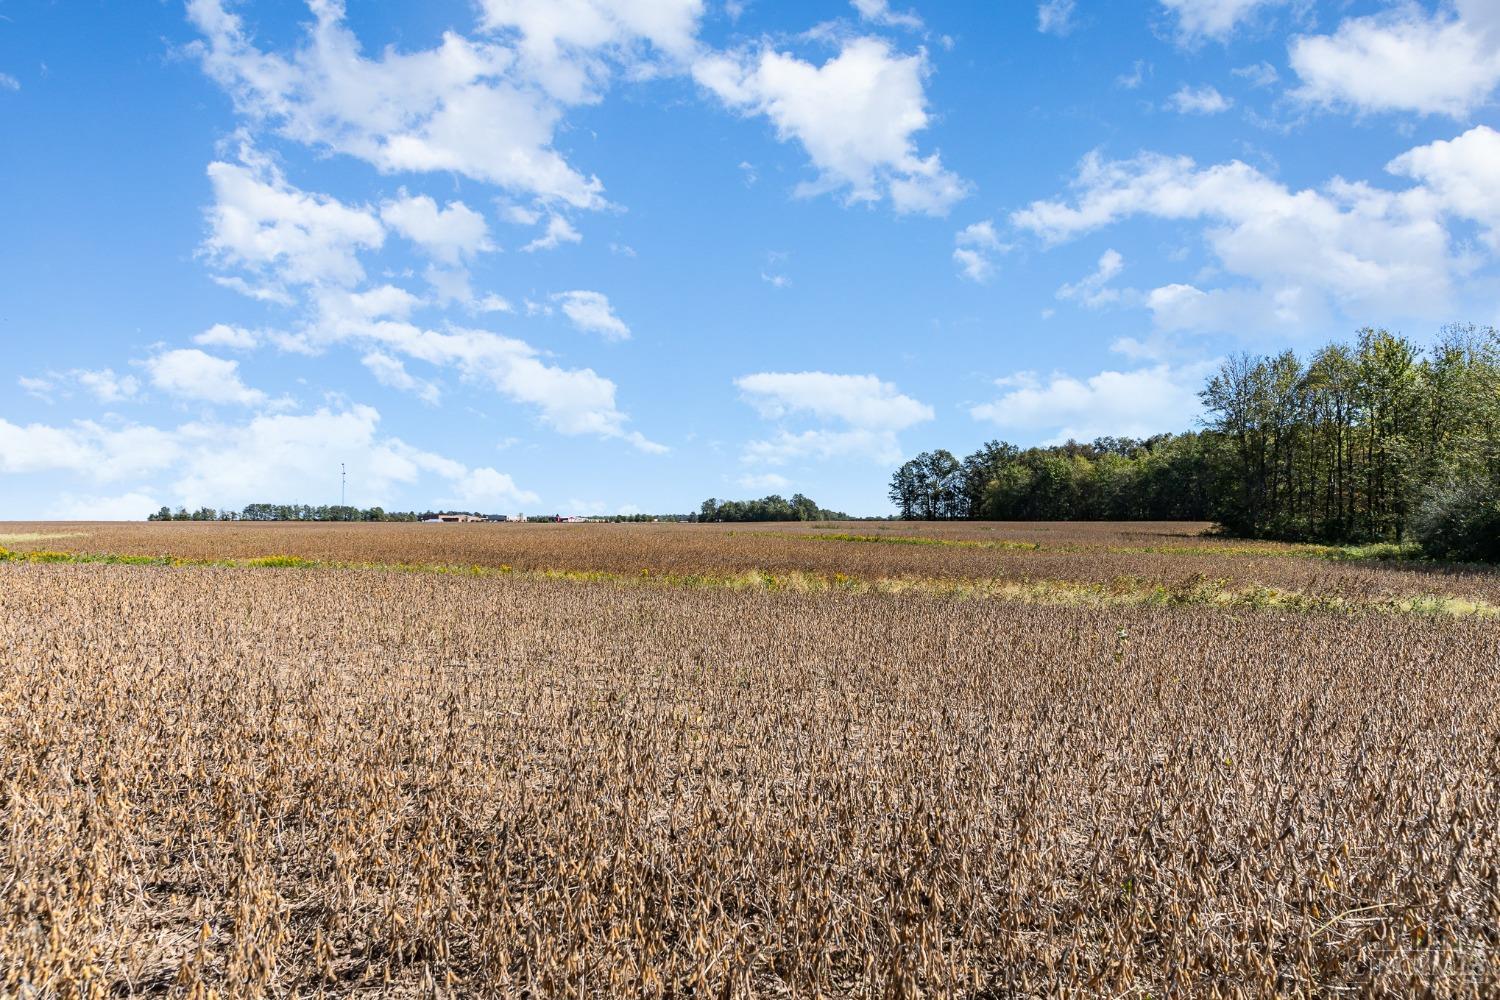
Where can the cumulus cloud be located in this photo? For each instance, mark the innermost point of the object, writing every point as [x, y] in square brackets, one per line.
[486, 487]
[189, 373]
[132, 506]
[85, 447]
[569, 400]
[106, 386]
[1204, 100]
[450, 234]
[567, 48]
[281, 234]
[1406, 59]
[1060, 407]
[975, 248]
[231, 464]
[1463, 174]
[858, 400]
[459, 106]
[224, 335]
[1365, 250]
[591, 312]
[860, 415]
[856, 116]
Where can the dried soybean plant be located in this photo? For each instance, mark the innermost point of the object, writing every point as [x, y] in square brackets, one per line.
[263, 782]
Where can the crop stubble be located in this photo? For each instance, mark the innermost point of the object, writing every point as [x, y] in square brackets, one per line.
[293, 782]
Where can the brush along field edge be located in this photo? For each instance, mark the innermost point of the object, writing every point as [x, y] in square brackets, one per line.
[1120, 592]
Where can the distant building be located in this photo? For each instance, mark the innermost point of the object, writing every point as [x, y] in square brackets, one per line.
[452, 519]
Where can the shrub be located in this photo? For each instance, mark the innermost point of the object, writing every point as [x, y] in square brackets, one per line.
[1460, 519]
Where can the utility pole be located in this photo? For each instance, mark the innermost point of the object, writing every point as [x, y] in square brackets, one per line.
[343, 482]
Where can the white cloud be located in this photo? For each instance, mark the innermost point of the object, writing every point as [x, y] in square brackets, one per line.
[380, 302]
[881, 447]
[492, 303]
[519, 214]
[571, 401]
[1093, 290]
[132, 506]
[191, 374]
[559, 231]
[1056, 17]
[488, 488]
[8, 82]
[389, 371]
[1463, 174]
[260, 293]
[856, 116]
[297, 457]
[449, 234]
[591, 312]
[974, 250]
[460, 106]
[277, 458]
[39, 387]
[86, 448]
[1366, 250]
[866, 412]
[563, 43]
[263, 224]
[233, 337]
[1261, 74]
[1197, 19]
[1132, 403]
[1445, 62]
[106, 386]
[857, 400]
[879, 12]
[1204, 100]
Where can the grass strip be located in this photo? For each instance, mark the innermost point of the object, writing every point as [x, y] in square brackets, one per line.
[1377, 551]
[1120, 592]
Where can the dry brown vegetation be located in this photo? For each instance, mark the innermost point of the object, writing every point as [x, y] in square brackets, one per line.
[279, 782]
[1170, 554]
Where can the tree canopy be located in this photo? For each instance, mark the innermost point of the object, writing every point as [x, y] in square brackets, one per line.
[1374, 440]
[770, 508]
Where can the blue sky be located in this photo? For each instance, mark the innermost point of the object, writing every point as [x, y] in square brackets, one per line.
[605, 256]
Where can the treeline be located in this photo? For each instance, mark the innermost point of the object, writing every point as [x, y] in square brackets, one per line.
[1162, 478]
[1370, 441]
[1377, 440]
[291, 512]
[771, 508]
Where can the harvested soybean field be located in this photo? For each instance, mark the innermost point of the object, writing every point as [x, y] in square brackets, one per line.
[865, 760]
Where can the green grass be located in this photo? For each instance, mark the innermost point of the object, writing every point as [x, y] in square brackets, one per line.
[1375, 551]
